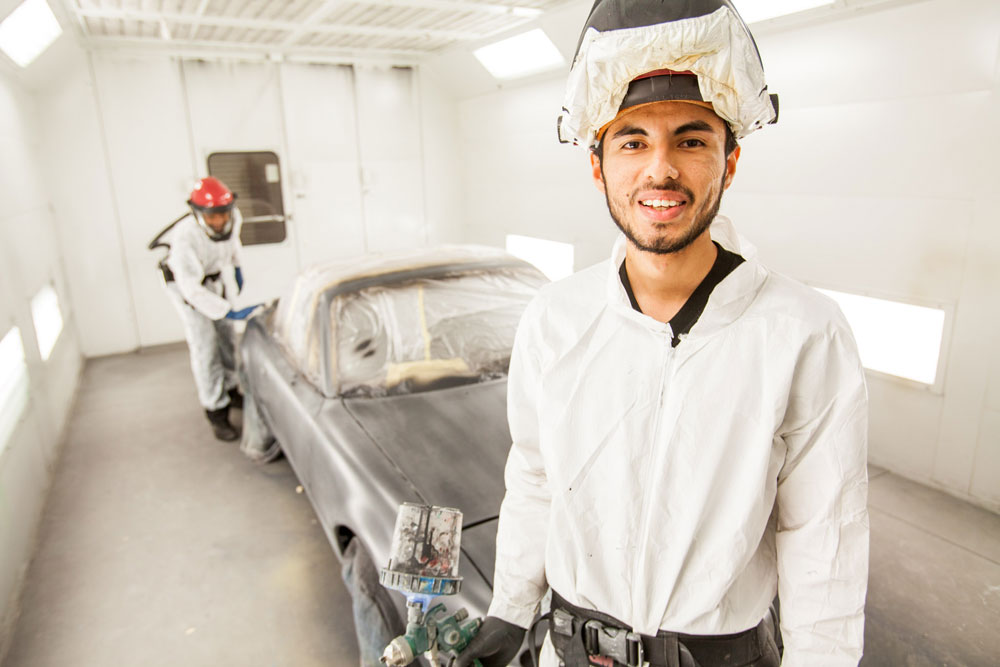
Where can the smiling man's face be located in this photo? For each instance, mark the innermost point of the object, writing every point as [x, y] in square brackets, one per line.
[663, 171]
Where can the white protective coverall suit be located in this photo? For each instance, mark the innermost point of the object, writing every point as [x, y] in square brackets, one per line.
[678, 488]
[203, 304]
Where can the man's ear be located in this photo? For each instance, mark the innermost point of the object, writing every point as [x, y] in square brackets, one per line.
[731, 161]
[595, 167]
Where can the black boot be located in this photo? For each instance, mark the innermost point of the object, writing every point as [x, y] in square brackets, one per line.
[220, 424]
[235, 398]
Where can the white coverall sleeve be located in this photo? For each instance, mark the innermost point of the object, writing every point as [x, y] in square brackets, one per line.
[519, 577]
[188, 272]
[822, 515]
[237, 251]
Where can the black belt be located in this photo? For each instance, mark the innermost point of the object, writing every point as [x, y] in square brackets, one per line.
[168, 275]
[579, 633]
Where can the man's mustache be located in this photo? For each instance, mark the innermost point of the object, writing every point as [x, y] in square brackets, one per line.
[669, 184]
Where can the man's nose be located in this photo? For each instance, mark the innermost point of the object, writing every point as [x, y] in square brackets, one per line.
[661, 165]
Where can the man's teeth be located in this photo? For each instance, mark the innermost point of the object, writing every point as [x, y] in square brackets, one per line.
[660, 203]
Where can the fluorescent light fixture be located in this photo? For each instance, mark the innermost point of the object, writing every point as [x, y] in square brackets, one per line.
[13, 383]
[528, 53]
[753, 11]
[553, 258]
[897, 338]
[28, 31]
[47, 318]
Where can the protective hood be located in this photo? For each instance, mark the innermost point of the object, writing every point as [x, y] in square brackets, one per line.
[234, 223]
[625, 39]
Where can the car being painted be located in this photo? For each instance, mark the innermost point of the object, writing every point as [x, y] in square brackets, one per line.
[383, 381]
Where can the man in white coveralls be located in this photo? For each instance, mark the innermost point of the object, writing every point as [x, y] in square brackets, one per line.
[203, 254]
[689, 428]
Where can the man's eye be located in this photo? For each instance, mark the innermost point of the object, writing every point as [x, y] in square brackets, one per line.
[692, 143]
[631, 145]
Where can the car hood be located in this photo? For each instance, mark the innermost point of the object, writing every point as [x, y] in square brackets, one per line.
[479, 544]
[451, 444]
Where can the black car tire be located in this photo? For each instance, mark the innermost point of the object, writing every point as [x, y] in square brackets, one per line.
[271, 453]
[376, 618]
[257, 441]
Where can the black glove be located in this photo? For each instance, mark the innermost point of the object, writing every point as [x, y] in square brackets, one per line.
[495, 645]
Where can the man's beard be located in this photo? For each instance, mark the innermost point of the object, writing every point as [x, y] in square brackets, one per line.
[665, 246]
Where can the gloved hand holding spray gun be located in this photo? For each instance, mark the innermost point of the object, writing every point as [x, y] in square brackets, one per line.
[423, 564]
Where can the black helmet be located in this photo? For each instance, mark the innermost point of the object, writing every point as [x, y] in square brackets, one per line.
[636, 52]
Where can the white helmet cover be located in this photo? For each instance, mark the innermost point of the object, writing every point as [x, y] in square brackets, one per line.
[625, 39]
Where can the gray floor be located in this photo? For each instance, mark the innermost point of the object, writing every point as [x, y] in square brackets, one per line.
[161, 546]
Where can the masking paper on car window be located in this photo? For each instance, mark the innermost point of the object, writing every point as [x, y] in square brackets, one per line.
[298, 325]
[405, 337]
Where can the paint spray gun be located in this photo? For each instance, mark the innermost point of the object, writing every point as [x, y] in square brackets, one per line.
[423, 564]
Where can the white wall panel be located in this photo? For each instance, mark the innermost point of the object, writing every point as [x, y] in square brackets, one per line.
[237, 107]
[143, 115]
[30, 259]
[519, 180]
[24, 476]
[918, 49]
[318, 102]
[906, 446]
[986, 472]
[442, 165]
[79, 190]
[392, 178]
[929, 146]
[961, 448]
[872, 244]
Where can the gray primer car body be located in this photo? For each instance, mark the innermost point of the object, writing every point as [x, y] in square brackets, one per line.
[359, 457]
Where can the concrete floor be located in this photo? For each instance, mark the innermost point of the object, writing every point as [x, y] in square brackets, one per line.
[162, 546]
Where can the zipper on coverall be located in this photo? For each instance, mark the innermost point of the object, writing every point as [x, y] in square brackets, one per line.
[666, 370]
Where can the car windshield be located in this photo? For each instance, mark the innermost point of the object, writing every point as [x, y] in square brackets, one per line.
[428, 333]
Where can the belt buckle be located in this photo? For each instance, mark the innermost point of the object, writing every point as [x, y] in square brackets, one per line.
[634, 651]
[562, 623]
[606, 645]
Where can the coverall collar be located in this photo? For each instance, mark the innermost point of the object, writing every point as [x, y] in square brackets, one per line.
[729, 299]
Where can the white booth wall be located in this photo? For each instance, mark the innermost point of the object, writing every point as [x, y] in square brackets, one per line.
[879, 179]
[31, 258]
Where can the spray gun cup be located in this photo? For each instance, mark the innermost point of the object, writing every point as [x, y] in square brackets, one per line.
[415, 584]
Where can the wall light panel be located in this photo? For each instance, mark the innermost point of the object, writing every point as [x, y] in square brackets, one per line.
[522, 55]
[896, 338]
[754, 11]
[553, 258]
[47, 318]
[28, 31]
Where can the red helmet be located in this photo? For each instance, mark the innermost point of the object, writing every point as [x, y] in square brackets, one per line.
[209, 196]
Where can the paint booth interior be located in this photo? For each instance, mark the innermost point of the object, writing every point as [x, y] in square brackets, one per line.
[878, 186]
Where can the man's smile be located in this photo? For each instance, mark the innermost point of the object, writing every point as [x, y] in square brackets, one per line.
[662, 204]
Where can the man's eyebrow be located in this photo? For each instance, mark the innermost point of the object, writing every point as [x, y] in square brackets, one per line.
[629, 129]
[694, 126]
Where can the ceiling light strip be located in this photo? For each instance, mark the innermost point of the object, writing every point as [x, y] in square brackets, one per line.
[294, 28]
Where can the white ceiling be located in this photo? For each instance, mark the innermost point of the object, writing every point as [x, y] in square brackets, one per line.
[315, 29]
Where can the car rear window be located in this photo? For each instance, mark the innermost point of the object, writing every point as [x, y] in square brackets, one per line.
[427, 333]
